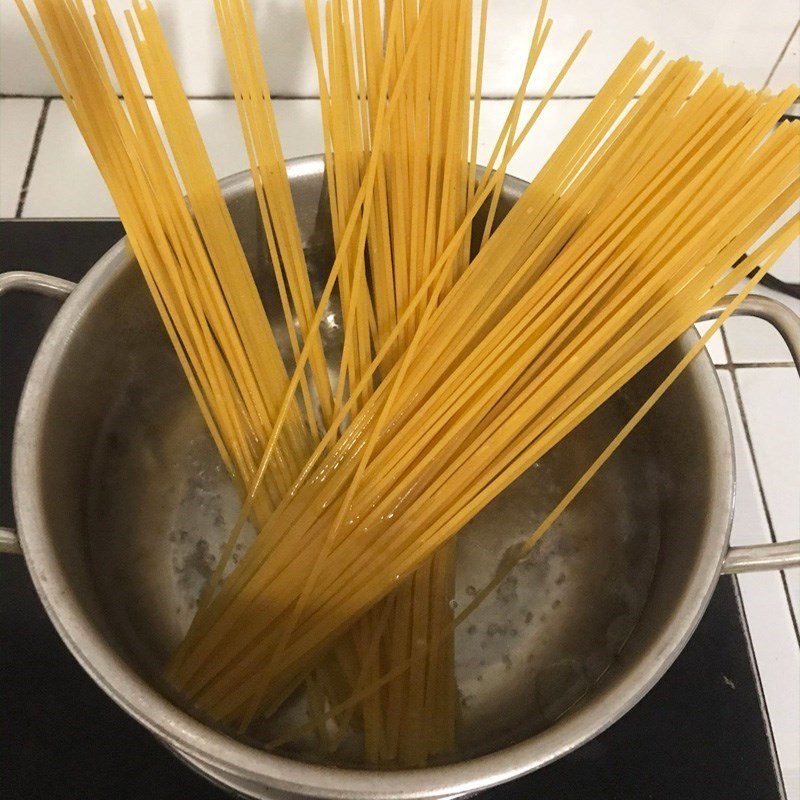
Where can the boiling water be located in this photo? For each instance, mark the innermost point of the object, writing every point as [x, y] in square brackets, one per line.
[163, 505]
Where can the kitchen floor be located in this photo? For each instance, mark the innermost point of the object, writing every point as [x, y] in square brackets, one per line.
[46, 172]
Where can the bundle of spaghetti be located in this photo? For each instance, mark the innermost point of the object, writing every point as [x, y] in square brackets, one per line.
[623, 239]
[193, 262]
[419, 200]
[399, 702]
[202, 312]
[271, 184]
[755, 266]
[460, 367]
[345, 175]
[350, 101]
[485, 186]
[270, 181]
[397, 724]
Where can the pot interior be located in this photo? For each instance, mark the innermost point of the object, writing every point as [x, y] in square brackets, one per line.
[138, 503]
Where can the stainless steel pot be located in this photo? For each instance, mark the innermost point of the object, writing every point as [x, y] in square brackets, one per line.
[121, 501]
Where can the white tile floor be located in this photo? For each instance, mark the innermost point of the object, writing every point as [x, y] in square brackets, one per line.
[763, 397]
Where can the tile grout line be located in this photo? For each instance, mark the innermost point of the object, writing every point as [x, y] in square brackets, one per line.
[763, 496]
[762, 698]
[37, 139]
[725, 346]
[792, 615]
[756, 365]
[746, 364]
[781, 54]
[277, 96]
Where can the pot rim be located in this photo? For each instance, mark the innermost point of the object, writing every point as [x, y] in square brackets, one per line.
[203, 743]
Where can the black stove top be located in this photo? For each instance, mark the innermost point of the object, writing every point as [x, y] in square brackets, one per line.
[699, 734]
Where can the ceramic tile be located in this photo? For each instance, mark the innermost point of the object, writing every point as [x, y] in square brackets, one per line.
[767, 609]
[554, 123]
[787, 267]
[195, 44]
[299, 127]
[715, 345]
[22, 70]
[739, 38]
[756, 341]
[790, 302]
[771, 398]
[788, 68]
[62, 151]
[793, 584]
[18, 120]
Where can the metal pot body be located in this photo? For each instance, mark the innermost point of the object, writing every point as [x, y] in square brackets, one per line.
[115, 486]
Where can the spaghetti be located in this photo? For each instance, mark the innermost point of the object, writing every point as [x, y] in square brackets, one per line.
[469, 350]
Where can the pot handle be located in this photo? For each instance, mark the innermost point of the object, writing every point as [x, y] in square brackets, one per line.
[776, 555]
[49, 286]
